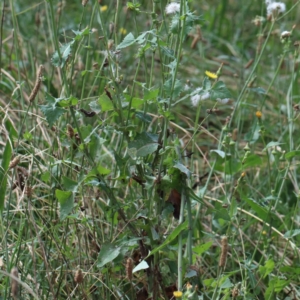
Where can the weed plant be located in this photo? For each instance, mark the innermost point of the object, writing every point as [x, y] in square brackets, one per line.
[149, 150]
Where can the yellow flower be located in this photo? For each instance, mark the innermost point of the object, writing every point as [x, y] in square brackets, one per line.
[211, 75]
[177, 294]
[243, 174]
[264, 232]
[258, 114]
[103, 8]
[123, 30]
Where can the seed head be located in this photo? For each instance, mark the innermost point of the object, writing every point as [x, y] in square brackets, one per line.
[224, 250]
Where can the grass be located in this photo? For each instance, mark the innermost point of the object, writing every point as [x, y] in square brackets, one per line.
[114, 185]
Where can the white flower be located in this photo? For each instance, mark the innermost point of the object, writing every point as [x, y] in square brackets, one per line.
[223, 101]
[268, 2]
[278, 7]
[196, 98]
[285, 34]
[172, 8]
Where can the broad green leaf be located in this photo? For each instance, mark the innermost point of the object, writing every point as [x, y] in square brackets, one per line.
[183, 169]
[51, 111]
[260, 210]
[141, 266]
[292, 233]
[127, 41]
[66, 201]
[252, 160]
[202, 248]
[171, 237]
[6, 158]
[276, 285]
[233, 208]
[65, 51]
[222, 154]
[69, 184]
[219, 91]
[107, 254]
[175, 92]
[144, 143]
[103, 171]
[105, 103]
[267, 268]
[150, 94]
[292, 154]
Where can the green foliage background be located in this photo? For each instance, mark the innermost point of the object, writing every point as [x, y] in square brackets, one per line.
[111, 168]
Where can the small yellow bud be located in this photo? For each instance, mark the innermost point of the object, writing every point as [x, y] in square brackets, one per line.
[258, 114]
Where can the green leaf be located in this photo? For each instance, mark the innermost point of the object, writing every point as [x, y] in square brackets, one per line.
[171, 237]
[290, 270]
[141, 266]
[267, 268]
[103, 171]
[182, 169]
[144, 143]
[105, 103]
[292, 154]
[202, 248]
[272, 144]
[222, 154]
[151, 94]
[65, 51]
[51, 111]
[219, 91]
[252, 160]
[176, 89]
[144, 117]
[66, 201]
[258, 90]
[69, 184]
[128, 40]
[6, 158]
[292, 233]
[81, 34]
[276, 285]
[107, 254]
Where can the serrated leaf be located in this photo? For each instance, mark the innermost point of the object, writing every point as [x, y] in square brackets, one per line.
[107, 254]
[127, 41]
[66, 201]
[178, 87]
[105, 103]
[51, 111]
[219, 91]
[65, 51]
[141, 266]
